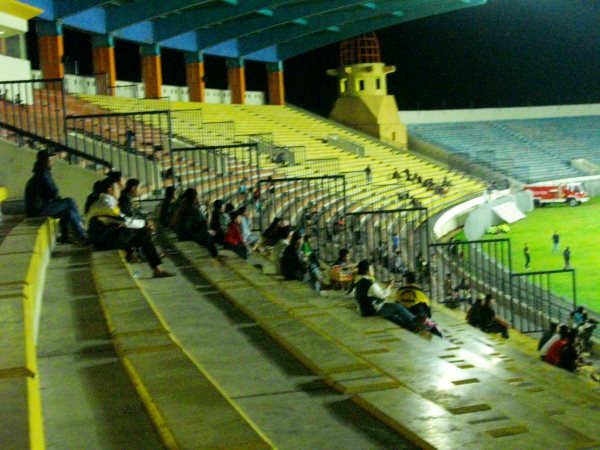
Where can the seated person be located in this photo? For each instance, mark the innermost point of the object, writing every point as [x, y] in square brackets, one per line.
[108, 229]
[490, 322]
[270, 235]
[370, 298]
[190, 224]
[547, 335]
[474, 312]
[316, 278]
[341, 273]
[127, 199]
[284, 235]
[42, 199]
[568, 355]
[412, 297]
[553, 353]
[218, 221]
[234, 239]
[292, 266]
[250, 238]
[164, 209]
[561, 331]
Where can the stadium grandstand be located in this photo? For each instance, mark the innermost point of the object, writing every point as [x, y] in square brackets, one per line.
[226, 352]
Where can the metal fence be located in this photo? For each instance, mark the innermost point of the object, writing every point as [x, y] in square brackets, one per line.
[316, 204]
[463, 269]
[323, 165]
[33, 108]
[347, 145]
[137, 143]
[394, 240]
[217, 172]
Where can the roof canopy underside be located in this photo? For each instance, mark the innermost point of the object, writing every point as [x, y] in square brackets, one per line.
[260, 30]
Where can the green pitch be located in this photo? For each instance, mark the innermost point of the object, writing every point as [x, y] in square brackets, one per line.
[579, 228]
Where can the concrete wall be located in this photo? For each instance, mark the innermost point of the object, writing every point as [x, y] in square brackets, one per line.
[15, 170]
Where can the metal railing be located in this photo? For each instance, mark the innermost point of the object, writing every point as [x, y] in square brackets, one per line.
[217, 172]
[347, 145]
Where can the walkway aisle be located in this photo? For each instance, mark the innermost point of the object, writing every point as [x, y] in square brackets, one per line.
[87, 399]
[286, 401]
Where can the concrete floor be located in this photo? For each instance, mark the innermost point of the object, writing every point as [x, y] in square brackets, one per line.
[87, 399]
[285, 400]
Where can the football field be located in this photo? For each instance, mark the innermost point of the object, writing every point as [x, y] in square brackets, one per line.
[578, 228]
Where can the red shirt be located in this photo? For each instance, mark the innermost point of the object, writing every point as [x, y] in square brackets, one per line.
[233, 236]
[554, 352]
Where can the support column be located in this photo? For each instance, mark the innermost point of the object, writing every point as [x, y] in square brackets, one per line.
[103, 59]
[194, 75]
[236, 80]
[151, 70]
[51, 49]
[275, 83]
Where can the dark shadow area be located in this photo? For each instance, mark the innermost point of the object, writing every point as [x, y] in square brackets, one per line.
[350, 413]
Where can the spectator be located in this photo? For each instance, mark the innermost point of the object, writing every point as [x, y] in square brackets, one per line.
[396, 175]
[109, 229]
[399, 266]
[561, 331]
[554, 351]
[234, 240]
[316, 278]
[448, 286]
[93, 196]
[282, 241]
[270, 235]
[165, 209]
[129, 138]
[218, 221]
[490, 322]
[127, 198]
[243, 191]
[412, 297]
[547, 335]
[474, 312]
[42, 199]
[578, 316]
[370, 298]
[568, 355]
[292, 266]
[191, 225]
[229, 209]
[340, 273]
[395, 241]
[368, 174]
[250, 238]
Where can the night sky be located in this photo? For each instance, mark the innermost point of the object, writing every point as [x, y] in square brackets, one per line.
[504, 53]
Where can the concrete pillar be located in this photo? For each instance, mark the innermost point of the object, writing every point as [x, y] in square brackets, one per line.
[236, 80]
[103, 59]
[275, 83]
[151, 70]
[194, 75]
[51, 49]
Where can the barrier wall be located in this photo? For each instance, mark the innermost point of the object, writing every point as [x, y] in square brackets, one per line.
[15, 169]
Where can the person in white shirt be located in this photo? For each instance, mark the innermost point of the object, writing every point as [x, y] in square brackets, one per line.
[109, 229]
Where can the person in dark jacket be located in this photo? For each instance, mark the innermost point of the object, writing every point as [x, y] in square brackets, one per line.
[292, 266]
[126, 199]
[42, 199]
[218, 221]
[164, 211]
[370, 298]
[489, 321]
[190, 225]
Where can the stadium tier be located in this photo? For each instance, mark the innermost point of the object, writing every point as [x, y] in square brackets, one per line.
[308, 137]
[528, 150]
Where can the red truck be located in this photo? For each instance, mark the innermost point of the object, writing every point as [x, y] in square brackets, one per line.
[570, 193]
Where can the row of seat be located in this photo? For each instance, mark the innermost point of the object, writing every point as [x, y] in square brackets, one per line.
[186, 407]
[470, 390]
[24, 255]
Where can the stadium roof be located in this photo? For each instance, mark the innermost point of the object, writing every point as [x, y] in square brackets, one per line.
[260, 30]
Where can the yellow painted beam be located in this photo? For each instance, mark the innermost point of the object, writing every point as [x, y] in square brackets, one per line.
[19, 9]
